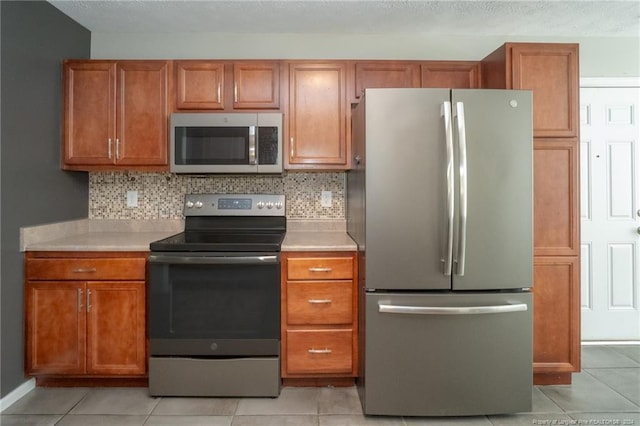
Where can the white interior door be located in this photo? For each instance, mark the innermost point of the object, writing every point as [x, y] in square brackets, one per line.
[610, 212]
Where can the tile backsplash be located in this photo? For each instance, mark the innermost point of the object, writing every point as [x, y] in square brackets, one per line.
[160, 195]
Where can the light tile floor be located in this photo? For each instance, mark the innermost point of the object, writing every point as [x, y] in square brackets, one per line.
[606, 392]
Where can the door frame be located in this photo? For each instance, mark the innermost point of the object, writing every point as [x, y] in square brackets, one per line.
[608, 82]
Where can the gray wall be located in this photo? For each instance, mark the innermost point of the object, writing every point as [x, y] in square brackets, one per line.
[35, 38]
[599, 56]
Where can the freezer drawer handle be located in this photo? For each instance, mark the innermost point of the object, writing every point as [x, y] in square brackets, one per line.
[319, 351]
[442, 310]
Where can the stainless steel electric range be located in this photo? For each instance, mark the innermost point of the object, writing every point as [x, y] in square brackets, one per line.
[214, 299]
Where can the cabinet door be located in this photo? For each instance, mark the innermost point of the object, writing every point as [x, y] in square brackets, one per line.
[451, 74]
[374, 74]
[55, 327]
[556, 315]
[256, 85]
[556, 229]
[199, 85]
[89, 112]
[116, 327]
[142, 118]
[318, 126]
[551, 71]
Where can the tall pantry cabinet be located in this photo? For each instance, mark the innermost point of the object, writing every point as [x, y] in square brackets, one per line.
[551, 72]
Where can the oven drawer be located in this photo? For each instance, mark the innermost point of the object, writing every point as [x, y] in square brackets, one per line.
[319, 351]
[86, 269]
[319, 302]
[319, 268]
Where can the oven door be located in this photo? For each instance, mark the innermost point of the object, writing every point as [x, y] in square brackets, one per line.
[214, 304]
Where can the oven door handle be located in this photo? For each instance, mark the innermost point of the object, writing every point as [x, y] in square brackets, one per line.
[213, 260]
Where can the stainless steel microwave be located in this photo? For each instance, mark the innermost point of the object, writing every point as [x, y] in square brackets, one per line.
[226, 143]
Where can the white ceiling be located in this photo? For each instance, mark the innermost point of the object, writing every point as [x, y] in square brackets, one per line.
[578, 18]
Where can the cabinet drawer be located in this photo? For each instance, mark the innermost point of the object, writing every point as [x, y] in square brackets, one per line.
[319, 302]
[319, 268]
[319, 351]
[86, 269]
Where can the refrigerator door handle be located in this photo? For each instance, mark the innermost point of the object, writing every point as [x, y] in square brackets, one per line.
[462, 226]
[446, 310]
[445, 112]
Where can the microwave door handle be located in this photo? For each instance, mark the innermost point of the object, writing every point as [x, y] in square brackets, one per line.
[252, 145]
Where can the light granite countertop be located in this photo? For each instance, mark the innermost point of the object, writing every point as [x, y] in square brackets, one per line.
[317, 235]
[135, 235]
[97, 235]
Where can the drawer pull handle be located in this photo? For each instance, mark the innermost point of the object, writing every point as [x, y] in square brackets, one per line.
[320, 269]
[88, 301]
[319, 301]
[320, 351]
[79, 300]
[84, 270]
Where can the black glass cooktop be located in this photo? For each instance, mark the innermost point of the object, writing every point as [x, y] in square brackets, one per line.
[221, 241]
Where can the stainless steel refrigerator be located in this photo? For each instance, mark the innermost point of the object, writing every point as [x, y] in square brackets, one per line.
[440, 204]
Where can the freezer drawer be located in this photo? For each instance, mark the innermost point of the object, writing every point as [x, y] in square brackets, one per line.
[447, 354]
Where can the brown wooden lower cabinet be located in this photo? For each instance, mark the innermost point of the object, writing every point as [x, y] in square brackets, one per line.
[320, 351]
[319, 318]
[556, 319]
[81, 318]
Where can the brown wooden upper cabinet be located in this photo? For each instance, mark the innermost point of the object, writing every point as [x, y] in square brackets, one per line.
[451, 74]
[115, 115]
[375, 74]
[209, 85]
[318, 129]
[551, 71]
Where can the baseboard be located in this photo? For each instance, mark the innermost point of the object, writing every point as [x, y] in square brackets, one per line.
[610, 342]
[17, 393]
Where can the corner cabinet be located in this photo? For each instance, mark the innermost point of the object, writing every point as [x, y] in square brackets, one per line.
[85, 314]
[115, 115]
[319, 318]
[551, 72]
[317, 117]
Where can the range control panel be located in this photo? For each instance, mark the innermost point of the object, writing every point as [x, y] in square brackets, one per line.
[234, 205]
